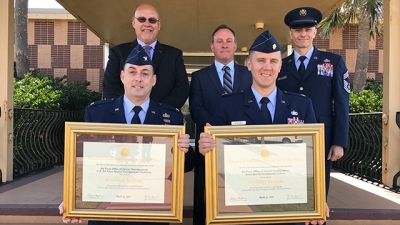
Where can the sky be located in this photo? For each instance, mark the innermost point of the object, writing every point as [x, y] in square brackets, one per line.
[44, 4]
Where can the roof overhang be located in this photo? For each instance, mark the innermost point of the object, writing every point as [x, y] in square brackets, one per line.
[188, 24]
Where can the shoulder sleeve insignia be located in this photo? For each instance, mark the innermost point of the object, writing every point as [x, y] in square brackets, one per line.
[346, 83]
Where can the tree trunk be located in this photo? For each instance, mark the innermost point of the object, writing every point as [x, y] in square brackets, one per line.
[360, 76]
[21, 37]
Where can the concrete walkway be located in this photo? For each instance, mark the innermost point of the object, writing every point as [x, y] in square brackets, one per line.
[34, 200]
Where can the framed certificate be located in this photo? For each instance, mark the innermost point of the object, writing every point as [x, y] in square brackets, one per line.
[261, 174]
[123, 172]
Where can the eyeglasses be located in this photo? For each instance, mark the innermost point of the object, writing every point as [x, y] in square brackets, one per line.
[151, 20]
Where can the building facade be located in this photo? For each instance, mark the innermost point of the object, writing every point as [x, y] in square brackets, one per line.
[66, 47]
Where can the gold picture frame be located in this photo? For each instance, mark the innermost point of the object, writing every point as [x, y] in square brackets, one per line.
[103, 169]
[263, 174]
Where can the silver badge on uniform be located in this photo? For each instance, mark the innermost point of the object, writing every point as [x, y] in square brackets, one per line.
[166, 115]
[294, 113]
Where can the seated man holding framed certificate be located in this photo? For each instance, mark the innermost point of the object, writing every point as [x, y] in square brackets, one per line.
[136, 107]
[263, 102]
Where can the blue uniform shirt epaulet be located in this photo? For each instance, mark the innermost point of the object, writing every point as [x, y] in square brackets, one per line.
[169, 107]
[101, 102]
[295, 94]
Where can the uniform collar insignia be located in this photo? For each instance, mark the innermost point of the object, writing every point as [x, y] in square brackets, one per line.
[166, 115]
[250, 101]
[315, 57]
[153, 112]
[283, 101]
[294, 113]
[116, 109]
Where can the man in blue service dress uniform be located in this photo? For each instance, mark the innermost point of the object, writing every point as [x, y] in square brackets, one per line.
[321, 76]
[135, 106]
[263, 102]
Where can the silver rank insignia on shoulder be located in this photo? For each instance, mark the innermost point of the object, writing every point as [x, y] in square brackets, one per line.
[166, 115]
[294, 113]
[116, 109]
[92, 103]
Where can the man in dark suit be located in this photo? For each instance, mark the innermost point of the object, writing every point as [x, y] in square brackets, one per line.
[172, 87]
[136, 106]
[263, 102]
[321, 76]
[206, 87]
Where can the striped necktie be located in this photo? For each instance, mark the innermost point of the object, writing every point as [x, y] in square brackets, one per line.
[147, 49]
[227, 80]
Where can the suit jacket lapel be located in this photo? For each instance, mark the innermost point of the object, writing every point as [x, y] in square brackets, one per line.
[158, 55]
[117, 113]
[291, 66]
[133, 44]
[152, 113]
[281, 107]
[237, 79]
[253, 111]
[212, 73]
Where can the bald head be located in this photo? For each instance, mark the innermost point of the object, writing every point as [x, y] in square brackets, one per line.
[144, 7]
[146, 23]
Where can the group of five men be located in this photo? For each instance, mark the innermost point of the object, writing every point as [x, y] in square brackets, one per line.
[152, 75]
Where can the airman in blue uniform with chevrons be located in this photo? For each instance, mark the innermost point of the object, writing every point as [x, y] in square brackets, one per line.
[325, 80]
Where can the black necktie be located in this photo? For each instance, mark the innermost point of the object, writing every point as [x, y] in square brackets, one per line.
[302, 67]
[264, 110]
[136, 119]
[227, 80]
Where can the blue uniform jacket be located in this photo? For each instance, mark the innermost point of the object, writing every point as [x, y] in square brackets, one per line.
[326, 82]
[206, 90]
[112, 111]
[243, 107]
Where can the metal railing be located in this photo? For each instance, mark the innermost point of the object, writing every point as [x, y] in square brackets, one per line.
[39, 142]
[364, 154]
[39, 138]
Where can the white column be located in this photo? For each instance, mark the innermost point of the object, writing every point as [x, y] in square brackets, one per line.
[6, 90]
[106, 53]
[391, 92]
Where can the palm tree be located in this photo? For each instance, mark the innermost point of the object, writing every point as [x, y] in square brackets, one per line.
[21, 37]
[368, 14]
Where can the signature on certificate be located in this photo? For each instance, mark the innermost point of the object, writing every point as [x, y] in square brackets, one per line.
[151, 197]
[237, 199]
[294, 196]
[94, 196]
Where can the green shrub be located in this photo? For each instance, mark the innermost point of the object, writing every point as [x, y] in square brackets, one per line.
[37, 91]
[369, 100]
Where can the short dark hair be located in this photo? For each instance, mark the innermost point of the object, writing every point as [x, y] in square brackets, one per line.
[220, 27]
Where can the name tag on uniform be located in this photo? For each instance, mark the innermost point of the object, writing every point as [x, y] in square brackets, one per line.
[238, 123]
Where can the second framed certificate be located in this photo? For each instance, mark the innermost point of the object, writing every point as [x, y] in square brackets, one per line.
[123, 172]
[262, 174]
